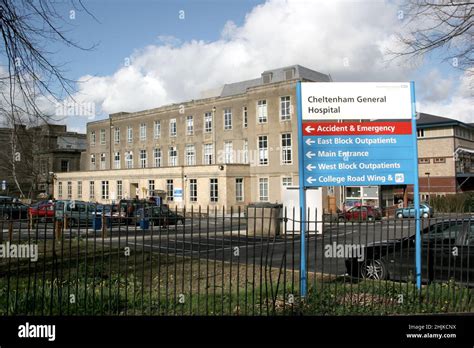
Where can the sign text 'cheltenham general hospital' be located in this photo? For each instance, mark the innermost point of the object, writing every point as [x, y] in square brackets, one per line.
[347, 100]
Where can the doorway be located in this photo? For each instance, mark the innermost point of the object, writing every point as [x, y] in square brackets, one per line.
[134, 192]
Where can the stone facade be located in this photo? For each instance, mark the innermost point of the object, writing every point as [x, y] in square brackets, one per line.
[247, 133]
[253, 137]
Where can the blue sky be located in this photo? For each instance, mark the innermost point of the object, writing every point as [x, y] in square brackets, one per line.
[174, 59]
[124, 25]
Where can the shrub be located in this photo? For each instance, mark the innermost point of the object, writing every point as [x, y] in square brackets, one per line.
[457, 203]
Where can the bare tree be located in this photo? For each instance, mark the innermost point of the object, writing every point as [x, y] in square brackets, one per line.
[445, 26]
[29, 76]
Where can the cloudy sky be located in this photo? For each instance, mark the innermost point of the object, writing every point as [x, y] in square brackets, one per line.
[150, 53]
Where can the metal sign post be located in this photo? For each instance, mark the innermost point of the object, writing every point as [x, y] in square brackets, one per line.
[416, 190]
[302, 191]
[375, 145]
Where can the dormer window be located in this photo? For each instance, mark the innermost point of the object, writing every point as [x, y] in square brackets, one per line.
[289, 74]
[267, 77]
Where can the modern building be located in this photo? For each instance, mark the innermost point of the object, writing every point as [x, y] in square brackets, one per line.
[445, 156]
[227, 150]
[445, 164]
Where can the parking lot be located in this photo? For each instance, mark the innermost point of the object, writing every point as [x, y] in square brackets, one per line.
[225, 240]
[222, 239]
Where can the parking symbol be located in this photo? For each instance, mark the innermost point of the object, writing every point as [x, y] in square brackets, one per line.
[399, 177]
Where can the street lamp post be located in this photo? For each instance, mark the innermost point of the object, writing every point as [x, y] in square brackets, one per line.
[429, 188]
[185, 182]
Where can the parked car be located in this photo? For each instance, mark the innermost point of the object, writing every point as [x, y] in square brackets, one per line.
[77, 212]
[160, 215]
[395, 259]
[426, 211]
[360, 213]
[128, 208]
[43, 210]
[13, 210]
[7, 199]
[109, 211]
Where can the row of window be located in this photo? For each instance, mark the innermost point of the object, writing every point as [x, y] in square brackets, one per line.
[193, 189]
[460, 132]
[424, 160]
[464, 133]
[228, 155]
[44, 166]
[262, 117]
[213, 189]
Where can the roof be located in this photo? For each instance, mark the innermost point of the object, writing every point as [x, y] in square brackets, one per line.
[239, 87]
[431, 121]
[277, 75]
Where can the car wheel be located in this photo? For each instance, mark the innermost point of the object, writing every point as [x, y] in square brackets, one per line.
[341, 219]
[370, 218]
[6, 216]
[373, 269]
[425, 215]
[400, 215]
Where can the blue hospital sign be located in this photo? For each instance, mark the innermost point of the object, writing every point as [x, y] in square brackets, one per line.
[357, 134]
[354, 153]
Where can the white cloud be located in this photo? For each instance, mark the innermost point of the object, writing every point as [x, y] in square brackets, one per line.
[320, 35]
[169, 40]
[459, 106]
[434, 88]
[229, 30]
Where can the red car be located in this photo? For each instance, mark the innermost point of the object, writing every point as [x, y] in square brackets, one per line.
[42, 211]
[360, 213]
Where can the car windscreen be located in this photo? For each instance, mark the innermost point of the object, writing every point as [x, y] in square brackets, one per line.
[470, 236]
[444, 232]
